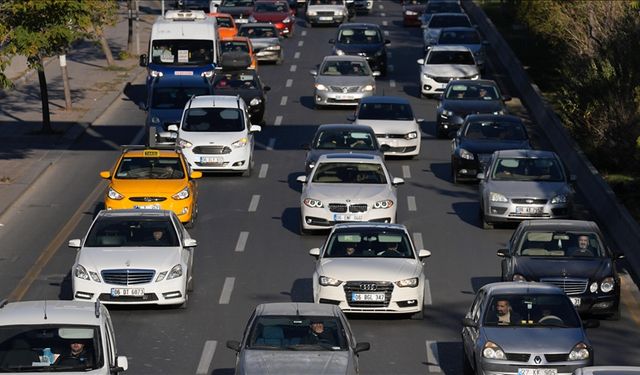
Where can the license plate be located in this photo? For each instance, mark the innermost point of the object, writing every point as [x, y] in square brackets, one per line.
[529, 210]
[325, 18]
[242, 20]
[183, 73]
[127, 292]
[211, 160]
[576, 301]
[537, 371]
[148, 207]
[347, 217]
[368, 297]
[344, 97]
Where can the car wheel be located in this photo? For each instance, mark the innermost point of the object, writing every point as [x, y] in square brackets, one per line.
[418, 315]
[303, 231]
[485, 223]
[247, 172]
[319, 106]
[192, 222]
[467, 369]
[441, 133]
[454, 174]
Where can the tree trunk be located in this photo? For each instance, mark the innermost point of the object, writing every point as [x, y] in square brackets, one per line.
[65, 82]
[106, 50]
[44, 97]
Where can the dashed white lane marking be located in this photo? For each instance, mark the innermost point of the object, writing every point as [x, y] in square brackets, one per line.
[278, 120]
[283, 101]
[385, 23]
[289, 83]
[427, 301]
[386, 33]
[263, 171]
[392, 82]
[253, 205]
[301, 43]
[242, 239]
[207, 356]
[271, 144]
[296, 55]
[432, 356]
[411, 203]
[390, 68]
[293, 68]
[406, 171]
[303, 33]
[227, 288]
[383, 14]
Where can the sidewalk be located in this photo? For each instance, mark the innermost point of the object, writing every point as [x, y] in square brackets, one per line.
[25, 153]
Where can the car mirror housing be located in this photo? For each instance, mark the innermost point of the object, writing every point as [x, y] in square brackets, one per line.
[255, 128]
[503, 253]
[142, 106]
[315, 252]
[195, 175]
[387, 41]
[423, 253]
[143, 60]
[302, 179]
[361, 347]
[420, 61]
[75, 243]
[573, 178]
[397, 181]
[313, 72]
[468, 322]
[480, 176]
[168, 135]
[190, 242]
[122, 364]
[351, 118]
[332, 41]
[266, 88]
[376, 73]
[233, 345]
[172, 128]
[506, 98]
[105, 174]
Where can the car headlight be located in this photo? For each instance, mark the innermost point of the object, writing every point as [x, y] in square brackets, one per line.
[338, 13]
[207, 74]
[426, 76]
[321, 87]
[411, 135]
[112, 194]
[182, 194]
[387, 203]
[252, 19]
[518, 277]
[465, 154]
[255, 101]
[497, 197]
[313, 203]
[339, 52]
[593, 287]
[579, 352]
[500, 112]
[286, 20]
[477, 76]
[368, 88]
[82, 273]
[493, 351]
[410, 13]
[446, 113]
[175, 272]
[607, 284]
[155, 120]
[240, 143]
[311, 13]
[161, 276]
[273, 48]
[155, 73]
[408, 283]
[329, 281]
[560, 198]
[184, 144]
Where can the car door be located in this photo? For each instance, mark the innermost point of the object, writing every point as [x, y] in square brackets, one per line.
[507, 265]
[470, 334]
[352, 343]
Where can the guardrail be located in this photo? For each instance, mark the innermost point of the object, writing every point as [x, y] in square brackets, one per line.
[601, 200]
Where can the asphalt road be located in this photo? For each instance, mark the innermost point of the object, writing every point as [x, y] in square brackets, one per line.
[249, 249]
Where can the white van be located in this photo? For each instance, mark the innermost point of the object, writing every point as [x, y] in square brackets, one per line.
[65, 337]
[182, 43]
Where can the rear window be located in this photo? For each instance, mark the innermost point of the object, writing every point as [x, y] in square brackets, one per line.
[213, 120]
[331, 140]
[350, 173]
[313, 333]
[258, 32]
[359, 36]
[472, 91]
[140, 168]
[175, 97]
[495, 130]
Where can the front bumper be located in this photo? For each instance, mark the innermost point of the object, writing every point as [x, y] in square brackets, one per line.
[510, 211]
[327, 20]
[165, 292]
[236, 160]
[469, 169]
[411, 20]
[401, 146]
[182, 208]
[504, 367]
[339, 98]
[323, 218]
[598, 304]
[401, 301]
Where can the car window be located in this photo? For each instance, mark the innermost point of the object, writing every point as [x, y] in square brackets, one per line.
[439, 21]
[182, 52]
[236, 81]
[495, 130]
[237, 3]
[369, 243]
[385, 111]
[126, 231]
[271, 8]
[451, 57]
[560, 244]
[359, 36]
[531, 310]
[345, 68]
[234, 46]
[213, 120]
[527, 169]
[258, 32]
[344, 140]
[297, 333]
[174, 97]
[459, 37]
[460, 91]
[350, 173]
[326, 2]
[160, 168]
[224, 22]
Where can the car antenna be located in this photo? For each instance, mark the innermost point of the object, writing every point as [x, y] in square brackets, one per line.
[45, 308]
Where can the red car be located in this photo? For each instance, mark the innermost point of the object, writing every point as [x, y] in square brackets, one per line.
[276, 12]
[411, 11]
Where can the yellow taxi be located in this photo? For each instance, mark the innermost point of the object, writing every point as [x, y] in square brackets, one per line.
[145, 178]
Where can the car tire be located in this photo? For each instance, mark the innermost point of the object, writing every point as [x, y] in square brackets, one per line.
[441, 134]
[304, 232]
[192, 222]
[247, 172]
[485, 223]
[454, 174]
[467, 369]
[418, 315]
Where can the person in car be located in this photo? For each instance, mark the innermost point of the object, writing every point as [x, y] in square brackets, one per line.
[76, 356]
[505, 314]
[317, 334]
[583, 249]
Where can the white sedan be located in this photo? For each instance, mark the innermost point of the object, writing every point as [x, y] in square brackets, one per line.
[370, 268]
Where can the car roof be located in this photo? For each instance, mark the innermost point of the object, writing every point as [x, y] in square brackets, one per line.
[359, 25]
[297, 308]
[259, 24]
[57, 312]
[132, 213]
[561, 225]
[384, 99]
[235, 38]
[364, 225]
[214, 101]
[492, 117]
[473, 82]
[449, 47]
[344, 127]
[521, 288]
[350, 157]
[344, 58]
[180, 81]
[526, 154]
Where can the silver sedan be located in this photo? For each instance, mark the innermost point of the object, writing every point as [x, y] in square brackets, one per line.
[343, 81]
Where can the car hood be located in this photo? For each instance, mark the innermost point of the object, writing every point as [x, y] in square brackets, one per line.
[268, 362]
[235, 12]
[270, 17]
[535, 340]
[473, 106]
[345, 80]
[475, 48]
[389, 126]
[102, 258]
[489, 146]
[148, 187]
[528, 189]
[353, 49]
[166, 116]
[211, 138]
[535, 268]
[338, 193]
[453, 70]
[260, 43]
[377, 269]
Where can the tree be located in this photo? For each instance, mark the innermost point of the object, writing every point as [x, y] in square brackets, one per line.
[39, 29]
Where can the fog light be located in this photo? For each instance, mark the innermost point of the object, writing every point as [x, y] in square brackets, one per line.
[109, 208]
[318, 99]
[171, 295]
[184, 210]
[308, 220]
[238, 163]
[84, 295]
[427, 87]
[446, 126]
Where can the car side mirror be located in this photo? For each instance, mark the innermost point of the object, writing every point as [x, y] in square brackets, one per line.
[190, 242]
[75, 243]
[351, 118]
[266, 88]
[143, 60]
[168, 135]
[315, 252]
[420, 61]
[332, 41]
[503, 253]
[424, 254]
[397, 181]
[172, 128]
[142, 106]
[255, 128]
[105, 174]
[361, 347]
[376, 73]
[506, 98]
[313, 72]
[419, 120]
[468, 322]
[591, 323]
[423, 27]
[385, 148]
[195, 175]
[302, 179]
[387, 41]
[122, 364]
[619, 256]
[480, 176]
[233, 345]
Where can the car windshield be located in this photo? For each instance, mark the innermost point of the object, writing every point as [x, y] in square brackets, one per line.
[359, 36]
[326, 2]
[345, 68]
[442, 7]
[258, 32]
[233, 46]
[527, 169]
[385, 111]
[224, 21]
[369, 243]
[271, 8]
[472, 91]
[235, 81]
[495, 130]
[313, 333]
[560, 244]
[416, 2]
[531, 310]
[47, 348]
[237, 3]
[157, 168]
[174, 97]
[459, 37]
[350, 173]
[451, 57]
[440, 21]
[344, 140]
[213, 120]
[182, 52]
[127, 231]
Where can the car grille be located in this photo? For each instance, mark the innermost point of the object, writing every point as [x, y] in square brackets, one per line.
[337, 207]
[570, 286]
[127, 276]
[390, 136]
[368, 287]
[208, 150]
[147, 199]
[441, 79]
[518, 357]
[556, 357]
[343, 207]
[358, 208]
[529, 201]
[325, 14]
[344, 88]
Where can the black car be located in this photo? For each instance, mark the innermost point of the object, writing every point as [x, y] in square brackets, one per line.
[240, 10]
[466, 96]
[334, 138]
[363, 39]
[479, 137]
[167, 97]
[570, 254]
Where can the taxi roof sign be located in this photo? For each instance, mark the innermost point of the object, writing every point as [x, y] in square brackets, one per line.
[151, 153]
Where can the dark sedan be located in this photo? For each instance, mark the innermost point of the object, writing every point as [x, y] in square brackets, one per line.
[247, 85]
[240, 10]
[464, 97]
[479, 137]
[570, 254]
[412, 10]
[363, 39]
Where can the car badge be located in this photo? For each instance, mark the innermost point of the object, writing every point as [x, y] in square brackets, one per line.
[211, 143]
[564, 272]
[529, 201]
[127, 263]
[537, 360]
[348, 200]
[368, 287]
[344, 90]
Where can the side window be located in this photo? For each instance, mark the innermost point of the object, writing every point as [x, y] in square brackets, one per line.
[475, 308]
[111, 352]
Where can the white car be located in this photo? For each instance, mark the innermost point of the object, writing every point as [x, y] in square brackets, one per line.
[134, 257]
[370, 268]
[216, 134]
[444, 63]
[392, 119]
[347, 187]
[431, 29]
[326, 12]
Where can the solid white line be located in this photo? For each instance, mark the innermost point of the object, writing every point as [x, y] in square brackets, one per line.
[383, 14]
[283, 101]
[303, 33]
[432, 356]
[278, 120]
[242, 239]
[417, 241]
[386, 33]
[289, 83]
[390, 68]
[296, 55]
[406, 171]
[385, 23]
[411, 202]
[301, 43]
[271, 144]
[263, 171]
[207, 356]
[293, 68]
[253, 205]
[227, 288]
[427, 301]
[392, 82]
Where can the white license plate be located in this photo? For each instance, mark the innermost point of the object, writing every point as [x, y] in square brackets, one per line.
[347, 217]
[183, 73]
[325, 18]
[529, 210]
[344, 97]
[576, 301]
[537, 371]
[211, 160]
[368, 297]
[127, 292]
[242, 20]
[148, 207]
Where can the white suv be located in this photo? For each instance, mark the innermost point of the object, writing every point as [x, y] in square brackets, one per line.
[37, 336]
[216, 134]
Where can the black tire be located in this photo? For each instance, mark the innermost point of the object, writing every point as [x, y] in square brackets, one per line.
[192, 222]
[304, 232]
[247, 172]
[485, 223]
[454, 174]
[441, 134]
[418, 315]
